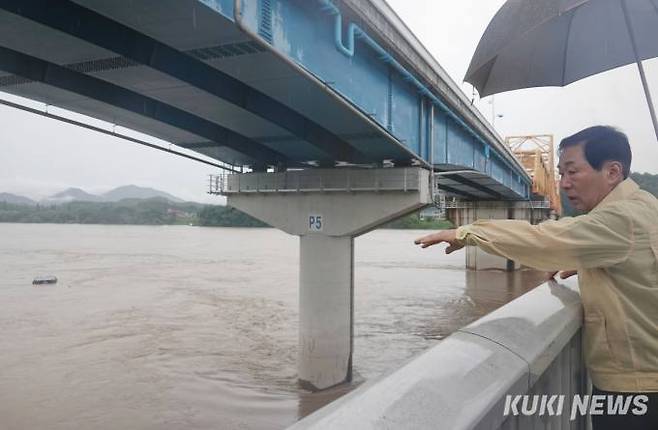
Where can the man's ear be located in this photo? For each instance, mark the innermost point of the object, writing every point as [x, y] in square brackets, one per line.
[614, 171]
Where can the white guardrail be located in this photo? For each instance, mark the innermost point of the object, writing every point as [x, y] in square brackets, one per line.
[531, 345]
[323, 180]
[517, 204]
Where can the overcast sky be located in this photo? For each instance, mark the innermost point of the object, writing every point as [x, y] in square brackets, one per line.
[41, 156]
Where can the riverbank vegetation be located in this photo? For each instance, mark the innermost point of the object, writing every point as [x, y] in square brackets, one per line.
[647, 181]
[158, 211]
[155, 211]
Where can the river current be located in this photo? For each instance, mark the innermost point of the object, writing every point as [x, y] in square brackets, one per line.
[178, 327]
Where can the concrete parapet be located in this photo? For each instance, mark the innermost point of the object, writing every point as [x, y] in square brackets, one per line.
[529, 346]
[536, 326]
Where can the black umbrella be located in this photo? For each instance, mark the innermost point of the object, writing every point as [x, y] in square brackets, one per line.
[538, 43]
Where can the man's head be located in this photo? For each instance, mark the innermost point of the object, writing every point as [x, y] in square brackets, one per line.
[592, 163]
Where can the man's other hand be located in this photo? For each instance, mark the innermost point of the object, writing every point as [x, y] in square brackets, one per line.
[448, 236]
[564, 274]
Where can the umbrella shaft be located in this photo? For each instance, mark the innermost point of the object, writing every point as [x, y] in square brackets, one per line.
[652, 110]
[640, 68]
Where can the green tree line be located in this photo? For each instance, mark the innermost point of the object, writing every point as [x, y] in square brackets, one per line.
[646, 181]
[154, 211]
[157, 211]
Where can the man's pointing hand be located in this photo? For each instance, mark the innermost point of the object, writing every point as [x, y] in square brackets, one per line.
[448, 236]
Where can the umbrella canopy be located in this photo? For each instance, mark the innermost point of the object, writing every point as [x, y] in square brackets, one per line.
[537, 43]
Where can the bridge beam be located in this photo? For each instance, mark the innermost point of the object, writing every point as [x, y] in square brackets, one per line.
[91, 27]
[327, 209]
[476, 186]
[60, 77]
[456, 191]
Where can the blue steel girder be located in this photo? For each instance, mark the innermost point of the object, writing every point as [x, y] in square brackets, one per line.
[479, 187]
[324, 83]
[322, 41]
[87, 25]
[113, 133]
[60, 77]
[457, 192]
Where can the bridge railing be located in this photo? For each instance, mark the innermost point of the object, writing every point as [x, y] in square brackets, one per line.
[463, 204]
[531, 346]
[313, 180]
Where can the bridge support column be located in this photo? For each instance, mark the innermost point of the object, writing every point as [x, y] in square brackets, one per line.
[469, 212]
[326, 312]
[476, 258]
[327, 209]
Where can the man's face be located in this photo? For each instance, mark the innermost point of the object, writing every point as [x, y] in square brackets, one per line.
[584, 186]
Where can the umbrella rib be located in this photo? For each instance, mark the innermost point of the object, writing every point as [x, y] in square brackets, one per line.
[566, 47]
[486, 82]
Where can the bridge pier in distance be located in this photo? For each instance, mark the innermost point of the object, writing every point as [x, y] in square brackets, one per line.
[327, 209]
[467, 212]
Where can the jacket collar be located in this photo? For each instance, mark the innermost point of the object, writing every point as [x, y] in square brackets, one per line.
[622, 191]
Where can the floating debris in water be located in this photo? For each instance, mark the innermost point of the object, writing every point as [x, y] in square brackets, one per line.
[40, 280]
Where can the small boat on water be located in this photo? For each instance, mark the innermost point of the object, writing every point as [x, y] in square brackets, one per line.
[41, 280]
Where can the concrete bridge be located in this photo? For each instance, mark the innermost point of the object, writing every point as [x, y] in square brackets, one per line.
[336, 115]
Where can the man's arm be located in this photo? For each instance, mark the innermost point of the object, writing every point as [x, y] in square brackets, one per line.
[599, 239]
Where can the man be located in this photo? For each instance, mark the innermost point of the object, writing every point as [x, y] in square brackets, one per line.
[613, 246]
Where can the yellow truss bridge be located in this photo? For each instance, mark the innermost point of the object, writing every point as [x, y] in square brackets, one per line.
[536, 154]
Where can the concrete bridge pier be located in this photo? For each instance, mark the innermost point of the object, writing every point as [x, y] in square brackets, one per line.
[327, 209]
[326, 312]
[468, 212]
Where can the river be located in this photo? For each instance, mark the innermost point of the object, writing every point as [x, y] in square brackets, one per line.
[172, 327]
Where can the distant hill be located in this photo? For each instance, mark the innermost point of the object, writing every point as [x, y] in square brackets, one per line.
[135, 192]
[132, 192]
[70, 195]
[15, 199]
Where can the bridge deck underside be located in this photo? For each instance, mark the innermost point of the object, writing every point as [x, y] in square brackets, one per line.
[472, 185]
[182, 71]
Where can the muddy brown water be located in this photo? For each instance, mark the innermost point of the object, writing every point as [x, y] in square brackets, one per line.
[186, 327]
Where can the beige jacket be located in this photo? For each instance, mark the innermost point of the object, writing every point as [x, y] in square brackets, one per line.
[615, 249]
